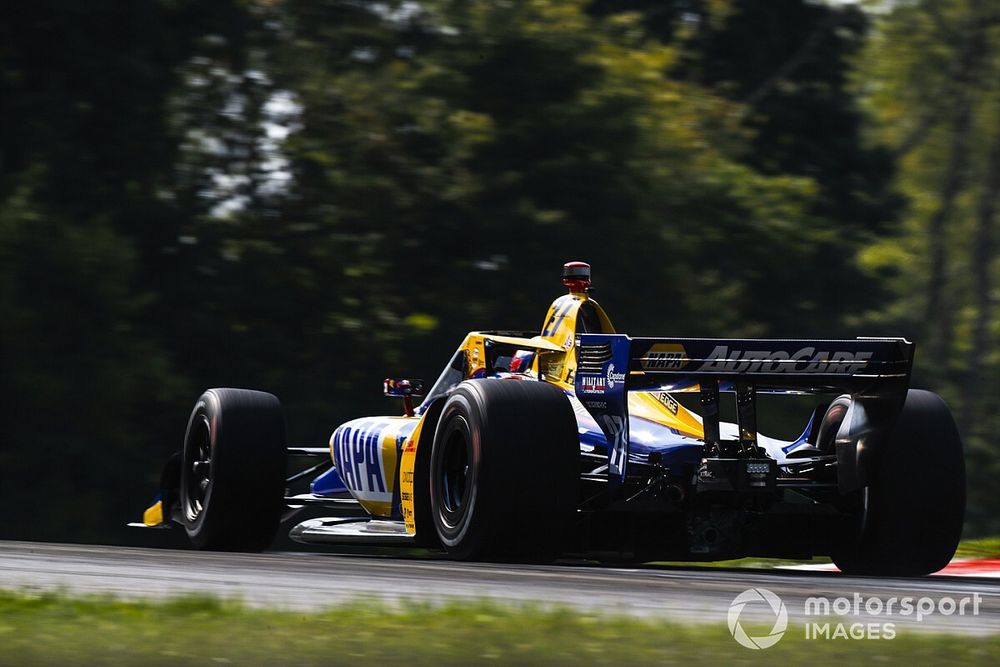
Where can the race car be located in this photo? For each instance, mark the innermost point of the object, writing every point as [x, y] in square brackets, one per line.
[581, 441]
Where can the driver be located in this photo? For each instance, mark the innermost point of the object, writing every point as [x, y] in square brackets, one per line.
[521, 361]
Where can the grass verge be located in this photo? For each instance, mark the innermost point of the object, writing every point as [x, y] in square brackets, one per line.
[57, 629]
[983, 547]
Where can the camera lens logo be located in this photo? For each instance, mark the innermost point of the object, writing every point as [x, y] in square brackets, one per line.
[767, 601]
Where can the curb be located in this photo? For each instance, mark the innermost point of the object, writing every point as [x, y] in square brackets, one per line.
[965, 567]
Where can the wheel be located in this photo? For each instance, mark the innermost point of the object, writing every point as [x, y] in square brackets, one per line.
[503, 470]
[232, 481]
[910, 517]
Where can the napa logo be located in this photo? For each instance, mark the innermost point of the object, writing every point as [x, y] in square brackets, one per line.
[770, 605]
[357, 455]
[664, 357]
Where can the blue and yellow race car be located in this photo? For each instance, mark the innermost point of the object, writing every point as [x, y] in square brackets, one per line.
[581, 440]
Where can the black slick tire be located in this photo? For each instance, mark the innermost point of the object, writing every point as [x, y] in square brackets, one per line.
[232, 478]
[504, 471]
[911, 515]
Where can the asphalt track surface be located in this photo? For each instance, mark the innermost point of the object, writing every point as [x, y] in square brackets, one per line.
[306, 581]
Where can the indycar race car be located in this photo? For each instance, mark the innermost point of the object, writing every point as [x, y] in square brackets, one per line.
[580, 440]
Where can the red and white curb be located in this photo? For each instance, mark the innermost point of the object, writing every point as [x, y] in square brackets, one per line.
[989, 567]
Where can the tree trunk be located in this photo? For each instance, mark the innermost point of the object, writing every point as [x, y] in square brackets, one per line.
[983, 253]
[938, 316]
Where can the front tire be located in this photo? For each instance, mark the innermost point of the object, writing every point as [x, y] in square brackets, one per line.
[911, 515]
[503, 471]
[232, 481]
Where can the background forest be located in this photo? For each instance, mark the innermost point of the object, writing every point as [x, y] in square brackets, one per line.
[308, 196]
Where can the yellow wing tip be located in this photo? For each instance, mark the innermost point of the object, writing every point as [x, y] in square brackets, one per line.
[154, 515]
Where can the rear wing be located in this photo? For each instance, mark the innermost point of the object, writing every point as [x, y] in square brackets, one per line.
[610, 365]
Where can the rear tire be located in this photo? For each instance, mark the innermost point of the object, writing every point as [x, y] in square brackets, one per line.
[503, 471]
[826, 435]
[232, 481]
[911, 515]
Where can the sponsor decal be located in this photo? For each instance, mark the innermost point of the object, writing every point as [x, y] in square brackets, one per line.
[407, 480]
[598, 384]
[357, 451]
[613, 377]
[803, 360]
[668, 402]
[592, 384]
[664, 357]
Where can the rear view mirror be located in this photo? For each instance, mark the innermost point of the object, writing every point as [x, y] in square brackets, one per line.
[399, 387]
[407, 389]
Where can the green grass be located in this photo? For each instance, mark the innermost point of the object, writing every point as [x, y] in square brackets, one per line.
[984, 547]
[56, 629]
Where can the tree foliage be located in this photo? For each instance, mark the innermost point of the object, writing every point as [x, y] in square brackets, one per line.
[930, 78]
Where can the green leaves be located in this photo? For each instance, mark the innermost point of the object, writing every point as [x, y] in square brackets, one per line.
[929, 78]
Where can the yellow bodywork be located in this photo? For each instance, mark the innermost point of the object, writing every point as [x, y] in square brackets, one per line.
[407, 466]
[153, 516]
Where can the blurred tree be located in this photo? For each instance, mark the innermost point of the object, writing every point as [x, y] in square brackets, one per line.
[930, 77]
[785, 65]
[89, 213]
[493, 142]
